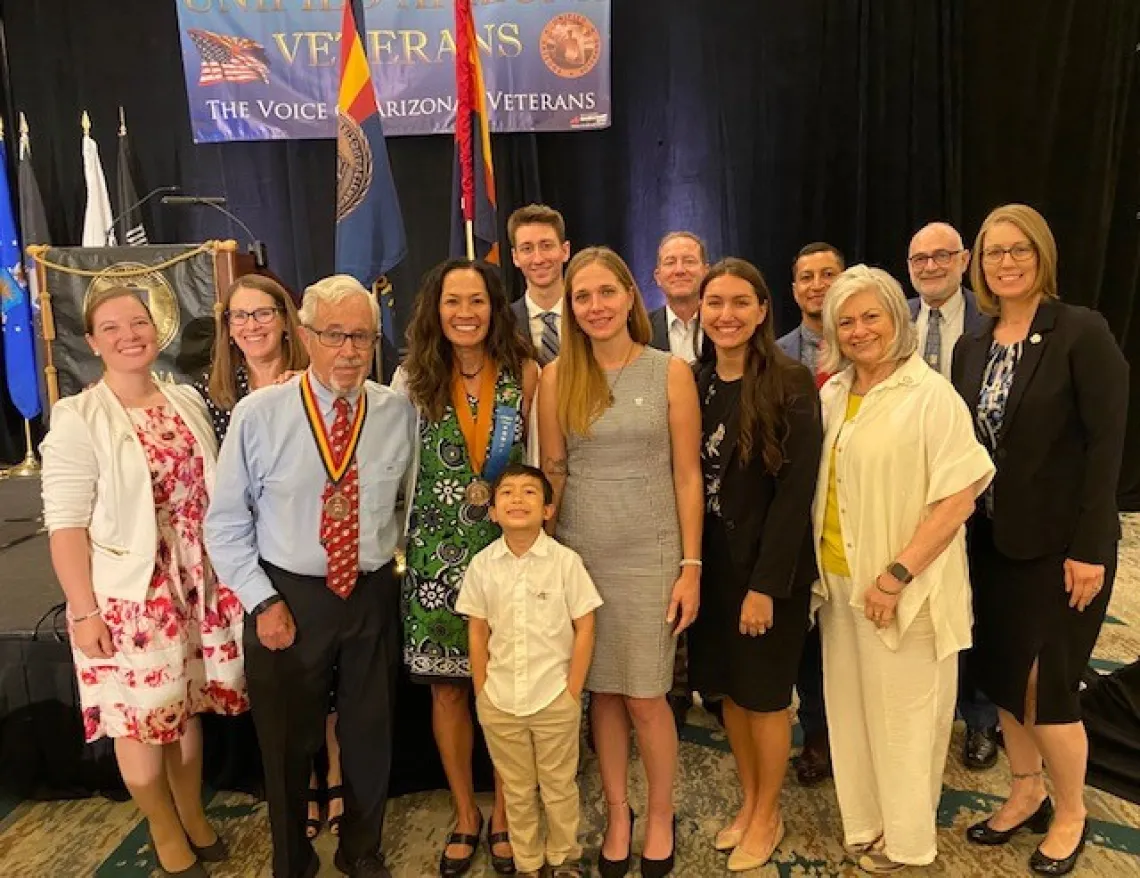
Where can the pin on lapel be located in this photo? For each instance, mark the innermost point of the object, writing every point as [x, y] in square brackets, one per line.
[638, 401]
[1035, 338]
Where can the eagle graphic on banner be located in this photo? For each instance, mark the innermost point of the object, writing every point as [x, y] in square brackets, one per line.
[229, 59]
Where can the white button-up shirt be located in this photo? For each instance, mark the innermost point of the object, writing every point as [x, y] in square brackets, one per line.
[535, 323]
[911, 444]
[953, 325]
[684, 338]
[529, 604]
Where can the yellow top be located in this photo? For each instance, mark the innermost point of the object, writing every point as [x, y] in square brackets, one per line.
[831, 553]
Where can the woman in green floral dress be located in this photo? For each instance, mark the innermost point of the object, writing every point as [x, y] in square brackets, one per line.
[471, 375]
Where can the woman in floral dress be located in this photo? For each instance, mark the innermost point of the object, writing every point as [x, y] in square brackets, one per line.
[156, 639]
[463, 346]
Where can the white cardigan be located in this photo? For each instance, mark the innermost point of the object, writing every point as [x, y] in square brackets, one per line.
[96, 476]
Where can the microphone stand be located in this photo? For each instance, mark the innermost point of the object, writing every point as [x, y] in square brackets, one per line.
[135, 206]
[256, 247]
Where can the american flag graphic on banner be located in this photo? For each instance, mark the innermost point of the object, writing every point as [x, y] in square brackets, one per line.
[229, 59]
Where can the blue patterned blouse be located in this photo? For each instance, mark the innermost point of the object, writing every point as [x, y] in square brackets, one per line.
[1001, 364]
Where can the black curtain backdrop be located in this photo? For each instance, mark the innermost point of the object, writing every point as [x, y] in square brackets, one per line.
[760, 125]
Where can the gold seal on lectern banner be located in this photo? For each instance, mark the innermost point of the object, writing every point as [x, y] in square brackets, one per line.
[570, 45]
[155, 290]
[353, 165]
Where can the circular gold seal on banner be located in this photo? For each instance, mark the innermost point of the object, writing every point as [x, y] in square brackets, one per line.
[353, 165]
[570, 45]
[155, 290]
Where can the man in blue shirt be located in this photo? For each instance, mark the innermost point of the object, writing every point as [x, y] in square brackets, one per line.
[303, 528]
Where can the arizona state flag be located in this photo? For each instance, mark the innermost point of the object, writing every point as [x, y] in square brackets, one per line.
[473, 188]
[370, 237]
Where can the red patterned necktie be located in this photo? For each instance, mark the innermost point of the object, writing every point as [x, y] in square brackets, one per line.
[340, 512]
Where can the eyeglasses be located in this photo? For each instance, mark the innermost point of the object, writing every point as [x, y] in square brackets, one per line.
[238, 317]
[335, 338]
[543, 247]
[1021, 252]
[941, 258]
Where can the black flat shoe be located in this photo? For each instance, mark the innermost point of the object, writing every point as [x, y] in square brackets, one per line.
[1038, 821]
[660, 868]
[1044, 865]
[450, 867]
[617, 868]
[502, 865]
[981, 750]
[212, 853]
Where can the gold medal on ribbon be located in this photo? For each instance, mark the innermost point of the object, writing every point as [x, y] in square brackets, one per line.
[336, 466]
[478, 493]
[476, 429]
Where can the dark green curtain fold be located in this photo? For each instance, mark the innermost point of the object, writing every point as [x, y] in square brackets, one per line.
[759, 125]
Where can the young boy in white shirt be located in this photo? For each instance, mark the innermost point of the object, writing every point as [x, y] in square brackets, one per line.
[530, 606]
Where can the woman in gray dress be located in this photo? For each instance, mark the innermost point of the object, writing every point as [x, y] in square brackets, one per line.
[620, 431]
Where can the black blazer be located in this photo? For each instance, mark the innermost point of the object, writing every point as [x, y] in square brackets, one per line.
[660, 329]
[768, 517]
[1062, 437]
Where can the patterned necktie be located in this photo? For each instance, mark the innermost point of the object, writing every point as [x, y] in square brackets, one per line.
[932, 352]
[340, 520]
[548, 347]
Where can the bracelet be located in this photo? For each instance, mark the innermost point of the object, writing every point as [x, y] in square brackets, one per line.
[886, 591]
[692, 562]
[85, 617]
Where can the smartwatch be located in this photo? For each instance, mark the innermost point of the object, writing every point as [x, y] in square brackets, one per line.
[899, 572]
[265, 605]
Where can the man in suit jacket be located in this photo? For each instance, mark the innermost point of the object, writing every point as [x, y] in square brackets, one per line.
[539, 250]
[682, 263]
[943, 312]
[814, 270]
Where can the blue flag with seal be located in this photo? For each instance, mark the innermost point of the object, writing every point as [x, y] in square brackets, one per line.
[370, 239]
[19, 338]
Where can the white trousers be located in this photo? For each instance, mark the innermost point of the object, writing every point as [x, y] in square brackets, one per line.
[889, 717]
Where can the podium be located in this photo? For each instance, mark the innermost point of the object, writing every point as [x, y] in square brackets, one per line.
[181, 283]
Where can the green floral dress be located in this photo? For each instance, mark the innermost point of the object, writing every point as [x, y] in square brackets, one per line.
[444, 534]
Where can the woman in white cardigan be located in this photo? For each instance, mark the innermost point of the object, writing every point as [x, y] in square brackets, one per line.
[900, 471]
[127, 470]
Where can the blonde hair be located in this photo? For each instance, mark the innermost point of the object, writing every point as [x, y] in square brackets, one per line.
[99, 298]
[228, 356]
[583, 391]
[859, 279]
[1033, 226]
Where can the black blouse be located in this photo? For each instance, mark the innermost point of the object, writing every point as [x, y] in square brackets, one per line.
[220, 417]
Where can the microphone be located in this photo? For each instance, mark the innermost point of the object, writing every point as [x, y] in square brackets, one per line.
[256, 247]
[139, 203]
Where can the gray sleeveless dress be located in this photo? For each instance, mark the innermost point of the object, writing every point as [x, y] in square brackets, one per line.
[619, 512]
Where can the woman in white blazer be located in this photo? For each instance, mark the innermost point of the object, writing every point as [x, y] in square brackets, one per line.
[127, 470]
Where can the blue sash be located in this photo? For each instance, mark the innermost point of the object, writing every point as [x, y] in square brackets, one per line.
[502, 438]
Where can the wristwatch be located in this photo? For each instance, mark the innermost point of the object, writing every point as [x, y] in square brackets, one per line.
[265, 605]
[899, 572]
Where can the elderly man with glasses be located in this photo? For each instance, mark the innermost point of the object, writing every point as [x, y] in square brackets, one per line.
[303, 528]
[945, 309]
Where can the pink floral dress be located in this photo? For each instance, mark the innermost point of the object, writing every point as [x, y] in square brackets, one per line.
[178, 653]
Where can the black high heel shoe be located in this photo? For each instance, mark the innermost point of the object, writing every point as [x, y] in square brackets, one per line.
[617, 868]
[1044, 865]
[451, 867]
[660, 868]
[1038, 822]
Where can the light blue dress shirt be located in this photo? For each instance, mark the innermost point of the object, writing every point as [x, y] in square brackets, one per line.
[270, 478]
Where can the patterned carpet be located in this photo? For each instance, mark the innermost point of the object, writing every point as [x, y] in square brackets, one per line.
[107, 840]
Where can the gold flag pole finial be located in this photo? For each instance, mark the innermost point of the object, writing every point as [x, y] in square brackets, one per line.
[29, 466]
[23, 124]
[1, 127]
[122, 123]
[85, 124]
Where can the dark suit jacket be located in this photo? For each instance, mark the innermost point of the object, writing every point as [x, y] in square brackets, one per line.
[659, 323]
[1062, 437]
[522, 318]
[971, 319]
[768, 517]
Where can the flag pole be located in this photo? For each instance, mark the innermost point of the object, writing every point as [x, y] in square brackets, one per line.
[29, 466]
[469, 229]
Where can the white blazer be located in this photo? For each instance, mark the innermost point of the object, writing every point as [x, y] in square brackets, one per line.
[96, 476]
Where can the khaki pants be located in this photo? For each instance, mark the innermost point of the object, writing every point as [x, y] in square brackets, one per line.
[889, 715]
[537, 755]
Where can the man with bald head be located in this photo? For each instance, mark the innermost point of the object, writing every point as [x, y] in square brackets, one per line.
[943, 311]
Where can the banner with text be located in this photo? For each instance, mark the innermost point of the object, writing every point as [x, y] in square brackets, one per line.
[267, 69]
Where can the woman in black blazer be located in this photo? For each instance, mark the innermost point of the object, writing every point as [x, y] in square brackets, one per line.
[761, 441]
[1048, 388]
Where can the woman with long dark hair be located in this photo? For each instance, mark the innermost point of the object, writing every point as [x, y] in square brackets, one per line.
[761, 440]
[471, 377]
